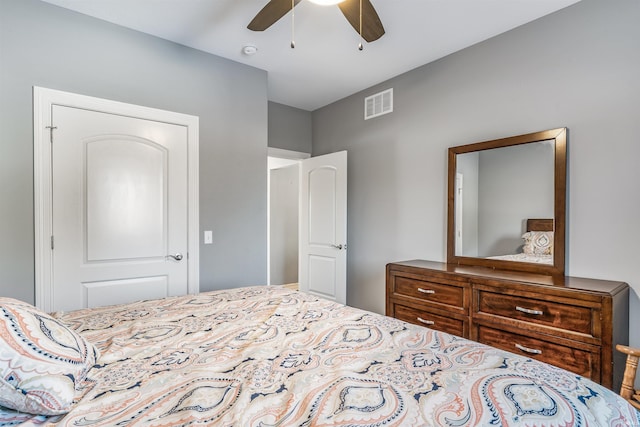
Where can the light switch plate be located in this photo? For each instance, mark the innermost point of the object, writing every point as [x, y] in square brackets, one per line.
[208, 237]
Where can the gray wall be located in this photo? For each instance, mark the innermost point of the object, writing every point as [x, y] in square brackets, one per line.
[289, 128]
[47, 46]
[516, 183]
[283, 238]
[579, 68]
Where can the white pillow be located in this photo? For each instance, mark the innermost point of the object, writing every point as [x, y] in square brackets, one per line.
[41, 360]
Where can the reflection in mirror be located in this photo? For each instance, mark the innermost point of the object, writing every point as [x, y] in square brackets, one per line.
[506, 203]
[498, 190]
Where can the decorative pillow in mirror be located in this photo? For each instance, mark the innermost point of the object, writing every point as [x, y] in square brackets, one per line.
[42, 361]
[538, 242]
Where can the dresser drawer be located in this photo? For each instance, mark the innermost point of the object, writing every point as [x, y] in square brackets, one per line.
[585, 362]
[560, 315]
[430, 320]
[436, 291]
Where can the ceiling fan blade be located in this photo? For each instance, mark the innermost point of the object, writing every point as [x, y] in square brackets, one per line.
[272, 12]
[372, 28]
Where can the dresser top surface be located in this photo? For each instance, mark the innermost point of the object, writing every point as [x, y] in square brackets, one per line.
[567, 282]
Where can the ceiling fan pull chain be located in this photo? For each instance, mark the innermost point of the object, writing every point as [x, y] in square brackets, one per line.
[293, 18]
[360, 47]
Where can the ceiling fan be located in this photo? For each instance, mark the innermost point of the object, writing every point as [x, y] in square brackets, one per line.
[371, 30]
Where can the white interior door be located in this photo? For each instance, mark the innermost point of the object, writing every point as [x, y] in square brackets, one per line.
[119, 208]
[103, 158]
[458, 203]
[323, 226]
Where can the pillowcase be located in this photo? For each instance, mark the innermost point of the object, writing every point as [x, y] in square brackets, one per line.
[538, 242]
[41, 360]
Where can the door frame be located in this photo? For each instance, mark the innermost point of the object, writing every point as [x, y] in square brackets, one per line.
[43, 100]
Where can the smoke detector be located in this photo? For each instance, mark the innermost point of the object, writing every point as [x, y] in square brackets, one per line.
[249, 50]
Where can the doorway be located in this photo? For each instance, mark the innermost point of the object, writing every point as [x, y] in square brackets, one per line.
[307, 214]
[283, 167]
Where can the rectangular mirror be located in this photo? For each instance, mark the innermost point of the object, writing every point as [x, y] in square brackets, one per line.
[506, 206]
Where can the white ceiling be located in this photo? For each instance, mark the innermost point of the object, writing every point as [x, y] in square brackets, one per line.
[326, 64]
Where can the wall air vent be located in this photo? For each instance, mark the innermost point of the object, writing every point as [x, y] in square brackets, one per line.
[378, 104]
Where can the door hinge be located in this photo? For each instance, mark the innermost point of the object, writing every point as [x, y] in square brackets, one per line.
[51, 128]
[51, 242]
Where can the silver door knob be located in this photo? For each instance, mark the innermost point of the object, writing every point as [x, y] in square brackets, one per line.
[339, 247]
[177, 257]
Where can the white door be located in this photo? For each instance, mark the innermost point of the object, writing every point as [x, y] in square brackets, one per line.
[119, 208]
[458, 203]
[323, 226]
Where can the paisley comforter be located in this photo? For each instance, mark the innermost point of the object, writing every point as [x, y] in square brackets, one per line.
[269, 356]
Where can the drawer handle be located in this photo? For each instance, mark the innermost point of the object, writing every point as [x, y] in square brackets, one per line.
[528, 350]
[426, 322]
[426, 291]
[529, 311]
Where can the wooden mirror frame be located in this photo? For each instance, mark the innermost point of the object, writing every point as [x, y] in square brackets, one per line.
[559, 136]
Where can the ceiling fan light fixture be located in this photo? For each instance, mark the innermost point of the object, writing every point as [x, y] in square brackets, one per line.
[361, 14]
[326, 2]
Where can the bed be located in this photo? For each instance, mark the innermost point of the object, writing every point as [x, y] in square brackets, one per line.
[271, 356]
[538, 243]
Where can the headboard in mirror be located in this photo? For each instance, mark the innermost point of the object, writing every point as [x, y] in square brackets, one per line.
[506, 203]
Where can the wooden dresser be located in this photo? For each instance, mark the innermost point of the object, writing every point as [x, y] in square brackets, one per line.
[570, 322]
